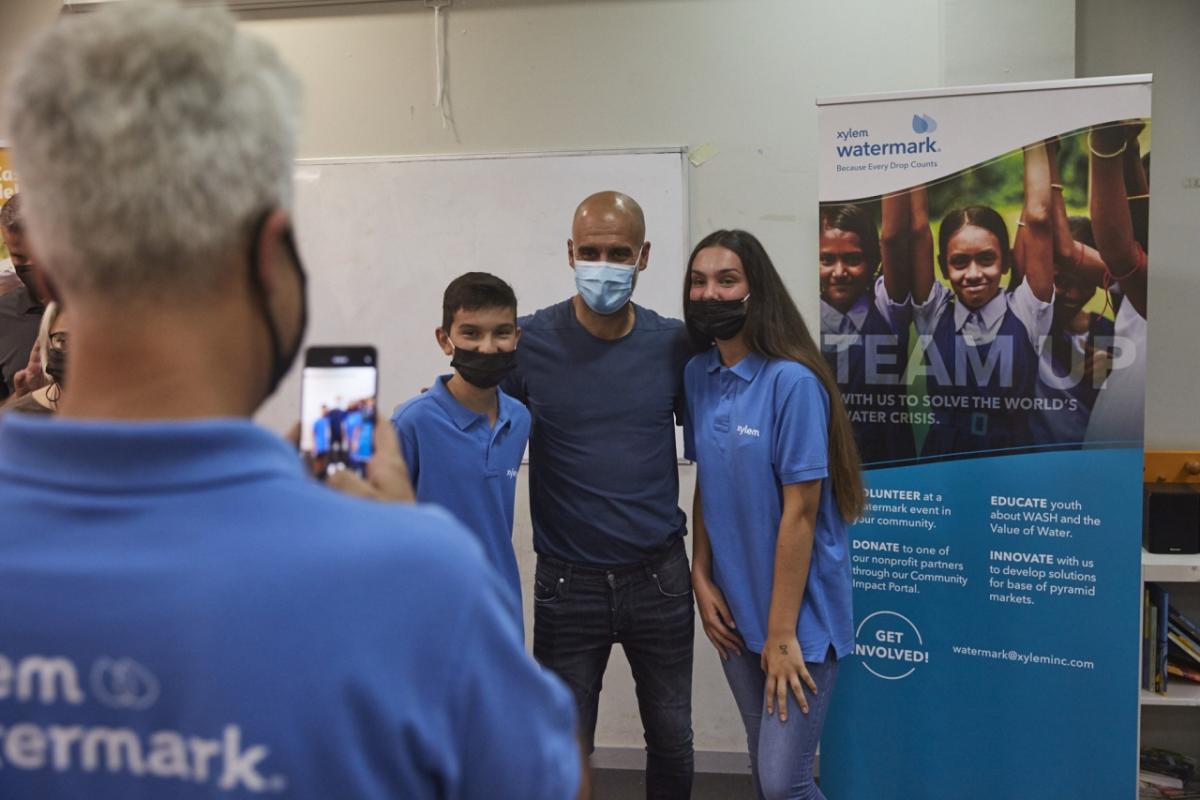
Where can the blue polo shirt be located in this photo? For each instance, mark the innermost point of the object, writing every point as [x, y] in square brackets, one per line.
[353, 422]
[321, 436]
[753, 428]
[183, 614]
[603, 481]
[460, 462]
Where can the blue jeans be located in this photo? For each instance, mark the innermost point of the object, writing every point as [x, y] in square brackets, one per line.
[581, 611]
[781, 753]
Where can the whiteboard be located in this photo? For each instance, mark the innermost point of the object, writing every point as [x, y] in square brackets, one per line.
[382, 237]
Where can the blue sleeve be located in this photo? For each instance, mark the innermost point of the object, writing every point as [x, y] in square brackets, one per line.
[501, 688]
[801, 446]
[408, 449]
[689, 434]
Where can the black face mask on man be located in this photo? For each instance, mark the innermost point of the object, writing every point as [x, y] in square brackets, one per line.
[483, 370]
[27, 274]
[281, 360]
[717, 319]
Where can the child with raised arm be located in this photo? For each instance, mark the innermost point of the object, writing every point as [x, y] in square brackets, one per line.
[1119, 196]
[865, 318]
[981, 341]
[1075, 360]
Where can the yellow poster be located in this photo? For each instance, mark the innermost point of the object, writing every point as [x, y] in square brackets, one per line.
[8, 187]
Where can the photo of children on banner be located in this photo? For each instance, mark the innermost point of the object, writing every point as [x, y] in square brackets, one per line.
[865, 321]
[986, 341]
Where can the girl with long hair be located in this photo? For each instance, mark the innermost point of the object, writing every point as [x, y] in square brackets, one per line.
[777, 482]
[51, 350]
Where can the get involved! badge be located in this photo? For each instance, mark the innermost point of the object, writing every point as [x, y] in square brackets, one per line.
[889, 645]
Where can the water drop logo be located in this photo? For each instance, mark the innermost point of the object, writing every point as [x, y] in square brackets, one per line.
[124, 683]
[923, 123]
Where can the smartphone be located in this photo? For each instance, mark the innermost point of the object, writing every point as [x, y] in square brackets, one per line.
[338, 393]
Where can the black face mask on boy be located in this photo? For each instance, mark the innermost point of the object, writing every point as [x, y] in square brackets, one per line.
[717, 319]
[483, 370]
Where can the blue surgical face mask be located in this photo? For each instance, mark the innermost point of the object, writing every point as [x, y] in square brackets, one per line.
[604, 286]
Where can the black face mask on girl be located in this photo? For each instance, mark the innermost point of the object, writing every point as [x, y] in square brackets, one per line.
[717, 319]
[483, 370]
[56, 366]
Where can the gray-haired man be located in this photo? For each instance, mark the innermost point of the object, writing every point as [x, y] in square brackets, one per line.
[186, 614]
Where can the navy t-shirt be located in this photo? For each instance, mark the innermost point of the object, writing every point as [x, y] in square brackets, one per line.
[183, 614]
[603, 482]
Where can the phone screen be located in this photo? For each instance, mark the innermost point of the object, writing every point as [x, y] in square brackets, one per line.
[337, 408]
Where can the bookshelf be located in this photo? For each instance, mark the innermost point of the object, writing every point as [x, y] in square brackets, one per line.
[1172, 720]
[1178, 694]
[1163, 568]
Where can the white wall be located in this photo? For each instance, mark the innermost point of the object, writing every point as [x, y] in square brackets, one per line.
[18, 18]
[1115, 37]
[579, 74]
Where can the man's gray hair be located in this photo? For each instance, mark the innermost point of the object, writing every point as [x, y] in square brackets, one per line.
[148, 140]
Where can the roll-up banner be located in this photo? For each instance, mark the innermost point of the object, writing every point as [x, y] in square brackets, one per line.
[8, 187]
[983, 272]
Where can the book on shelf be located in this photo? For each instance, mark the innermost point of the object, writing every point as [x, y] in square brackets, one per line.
[1146, 680]
[1152, 681]
[1147, 791]
[1189, 628]
[1183, 643]
[1168, 763]
[1161, 781]
[1183, 671]
[1159, 623]
[1182, 656]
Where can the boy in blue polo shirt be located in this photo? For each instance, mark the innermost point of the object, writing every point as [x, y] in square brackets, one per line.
[463, 439]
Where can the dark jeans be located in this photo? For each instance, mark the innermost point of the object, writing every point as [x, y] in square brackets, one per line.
[581, 611]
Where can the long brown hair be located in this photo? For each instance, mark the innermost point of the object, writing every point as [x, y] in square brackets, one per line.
[775, 329]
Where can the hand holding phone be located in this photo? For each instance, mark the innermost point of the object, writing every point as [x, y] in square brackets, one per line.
[387, 477]
[338, 416]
